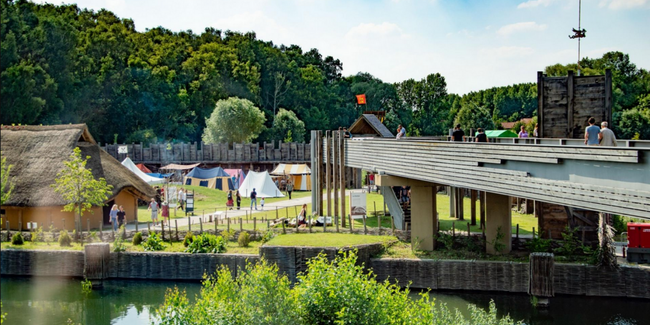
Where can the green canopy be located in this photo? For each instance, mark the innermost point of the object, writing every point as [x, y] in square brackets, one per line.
[500, 134]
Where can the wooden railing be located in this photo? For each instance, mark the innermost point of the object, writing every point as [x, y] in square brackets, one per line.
[165, 153]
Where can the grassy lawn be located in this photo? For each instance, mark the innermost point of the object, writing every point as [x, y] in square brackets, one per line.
[208, 200]
[526, 221]
[327, 240]
[404, 250]
[233, 247]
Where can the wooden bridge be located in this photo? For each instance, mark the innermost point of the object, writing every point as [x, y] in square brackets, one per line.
[612, 180]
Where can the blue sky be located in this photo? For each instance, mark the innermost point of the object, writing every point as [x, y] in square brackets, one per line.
[473, 44]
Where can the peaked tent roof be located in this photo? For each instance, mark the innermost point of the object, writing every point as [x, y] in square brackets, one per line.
[500, 134]
[201, 173]
[262, 183]
[37, 154]
[128, 163]
[143, 168]
[368, 124]
[178, 167]
[291, 169]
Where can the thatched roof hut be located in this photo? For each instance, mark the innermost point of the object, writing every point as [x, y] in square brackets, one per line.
[37, 154]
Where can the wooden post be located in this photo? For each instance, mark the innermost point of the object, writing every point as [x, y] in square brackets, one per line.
[325, 224]
[453, 229]
[517, 232]
[473, 207]
[469, 234]
[365, 229]
[276, 213]
[342, 181]
[336, 220]
[328, 170]
[241, 224]
[335, 173]
[189, 224]
[268, 225]
[162, 232]
[254, 224]
[350, 223]
[295, 210]
[148, 227]
[482, 208]
[533, 232]
[542, 269]
[101, 233]
[228, 227]
[392, 225]
[309, 223]
[284, 230]
[319, 190]
[201, 224]
[176, 226]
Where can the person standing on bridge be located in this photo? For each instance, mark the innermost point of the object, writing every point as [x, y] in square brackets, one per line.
[481, 137]
[591, 133]
[458, 134]
[401, 132]
[606, 136]
[522, 132]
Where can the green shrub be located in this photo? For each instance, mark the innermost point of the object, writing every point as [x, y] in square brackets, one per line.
[17, 239]
[137, 239]
[539, 245]
[64, 239]
[153, 242]
[118, 243]
[38, 235]
[228, 234]
[207, 243]
[446, 239]
[86, 286]
[244, 239]
[189, 238]
[570, 244]
[339, 292]
[268, 235]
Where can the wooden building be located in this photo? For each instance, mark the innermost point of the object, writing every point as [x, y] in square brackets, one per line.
[37, 154]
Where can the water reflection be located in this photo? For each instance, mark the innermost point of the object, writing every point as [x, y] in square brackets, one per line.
[569, 310]
[44, 301]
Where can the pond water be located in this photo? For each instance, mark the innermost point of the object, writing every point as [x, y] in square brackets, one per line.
[45, 300]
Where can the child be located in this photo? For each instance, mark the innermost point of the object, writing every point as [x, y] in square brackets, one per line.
[262, 202]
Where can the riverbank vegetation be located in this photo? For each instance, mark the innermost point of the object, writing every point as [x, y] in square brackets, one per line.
[337, 292]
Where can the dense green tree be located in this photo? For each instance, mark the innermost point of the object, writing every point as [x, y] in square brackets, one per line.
[234, 120]
[473, 118]
[287, 127]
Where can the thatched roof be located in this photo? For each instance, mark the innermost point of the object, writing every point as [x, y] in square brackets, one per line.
[37, 154]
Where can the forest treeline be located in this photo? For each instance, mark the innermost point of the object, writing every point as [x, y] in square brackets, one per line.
[65, 64]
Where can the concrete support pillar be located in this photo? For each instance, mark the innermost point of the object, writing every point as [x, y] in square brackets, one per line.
[498, 224]
[452, 201]
[424, 214]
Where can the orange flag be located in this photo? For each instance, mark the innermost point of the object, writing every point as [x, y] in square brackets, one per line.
[361, 99]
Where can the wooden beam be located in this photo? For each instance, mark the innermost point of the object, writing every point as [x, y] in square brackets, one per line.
[570, 105]
[328, 168]
[540, 103]
[342, 175]
[473, 207]
[335, 174]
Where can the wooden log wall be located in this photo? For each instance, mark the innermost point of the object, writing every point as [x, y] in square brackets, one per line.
[189, 153]
[565, 106]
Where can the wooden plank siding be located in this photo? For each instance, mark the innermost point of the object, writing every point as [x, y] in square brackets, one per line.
[460, 165]
[190, 153]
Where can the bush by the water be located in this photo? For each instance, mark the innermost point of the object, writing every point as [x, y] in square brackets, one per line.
[153, 242]
[137, 239]
[339, 292]
[207, 243]
[244, 239]
[189, 238]
[17, 239]
[64, 238]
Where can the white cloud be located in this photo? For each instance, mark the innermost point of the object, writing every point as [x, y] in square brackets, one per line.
[534, 3]
[384, 29]
[507, 52]
[521, 27]
[622, 4]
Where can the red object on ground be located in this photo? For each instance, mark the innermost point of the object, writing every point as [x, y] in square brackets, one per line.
[638, 235]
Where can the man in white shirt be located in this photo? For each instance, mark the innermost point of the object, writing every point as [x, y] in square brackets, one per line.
[606, 136]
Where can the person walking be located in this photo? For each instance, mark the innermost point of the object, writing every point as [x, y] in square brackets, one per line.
[153, 207]
[113, 216]
[481, 136]
[289, 189]
[165, 213]
[591, 133]
[253, 199]
[458, 134]
[606, 136]
[180, 198]
[121, 216]
[522, 132]
[238, 200]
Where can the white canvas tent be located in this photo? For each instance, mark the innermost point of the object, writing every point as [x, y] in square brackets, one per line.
[149, 179]
[262, 183]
